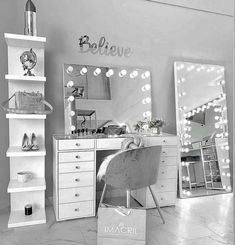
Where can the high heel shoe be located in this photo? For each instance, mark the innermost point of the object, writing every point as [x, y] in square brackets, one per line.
[34, 143]
[25, 143]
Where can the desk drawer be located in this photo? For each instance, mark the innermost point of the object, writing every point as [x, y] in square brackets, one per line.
[168, 160]
[76, 179]
[76, 144]
[76, 210]
[164, 199]
[167, 172]
[158, 140]
[169, 151]
[76, 194]
[163, 185]
[70, 167]
[76, 156]
[111, 143]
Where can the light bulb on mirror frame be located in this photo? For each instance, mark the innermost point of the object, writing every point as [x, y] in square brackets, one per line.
[70, 84]
[97, 71]
[146, 87]
[72, 113]
[134, 74]
[188, 193]
[83, 71]
[109, 73]
[122, 73]
[147, 114]
[146, 100]
[72, 127]
[71, 98]
[145, 75]
[69, 69]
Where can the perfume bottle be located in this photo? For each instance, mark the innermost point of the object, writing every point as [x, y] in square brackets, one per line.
[30, 19]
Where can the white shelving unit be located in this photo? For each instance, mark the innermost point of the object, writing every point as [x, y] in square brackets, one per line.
[33, 191]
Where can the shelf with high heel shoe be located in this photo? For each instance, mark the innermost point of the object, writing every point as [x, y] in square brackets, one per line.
[30, 156]
[35, 184]
[16, 151]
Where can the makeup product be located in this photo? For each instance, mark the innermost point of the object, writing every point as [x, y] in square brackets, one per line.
[28, 210]
[30, 19]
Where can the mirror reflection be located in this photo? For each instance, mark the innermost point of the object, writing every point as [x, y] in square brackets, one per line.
[97, 96]
[201, 116]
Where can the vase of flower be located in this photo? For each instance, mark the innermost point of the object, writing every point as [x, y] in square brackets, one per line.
[153, 126]
[156, 130]
[156, 125]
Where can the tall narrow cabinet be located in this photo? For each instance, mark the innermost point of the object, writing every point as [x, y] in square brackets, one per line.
[33, 191]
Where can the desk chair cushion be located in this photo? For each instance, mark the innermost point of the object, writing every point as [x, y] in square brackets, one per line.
[134, 169]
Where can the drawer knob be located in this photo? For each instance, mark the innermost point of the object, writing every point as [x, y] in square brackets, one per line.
[162, 185]
[164, 141]
[163, 161]
[77, 156]
[77, 195]
[163, 172]
[77, 144]
[77, 180]
[78, 167]
[162, 198]
[76, 209]
[163, 152]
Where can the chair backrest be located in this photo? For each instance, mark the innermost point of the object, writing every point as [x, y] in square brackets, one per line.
[134, 169]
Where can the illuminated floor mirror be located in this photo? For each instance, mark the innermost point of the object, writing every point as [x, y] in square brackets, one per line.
[201, 116]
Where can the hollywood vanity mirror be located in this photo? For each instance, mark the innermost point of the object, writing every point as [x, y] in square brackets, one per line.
[201, 116]
[95, 96]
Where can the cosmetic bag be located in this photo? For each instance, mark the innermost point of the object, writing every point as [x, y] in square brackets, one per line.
[28, 103]
[118, 225]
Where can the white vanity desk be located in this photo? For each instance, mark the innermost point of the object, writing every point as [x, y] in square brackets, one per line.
[74, 173]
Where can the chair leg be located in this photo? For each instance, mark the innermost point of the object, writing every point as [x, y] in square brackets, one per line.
[102, 195]
[157, 205]
[128, 198]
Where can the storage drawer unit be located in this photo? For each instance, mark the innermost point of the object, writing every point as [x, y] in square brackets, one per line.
[165, 188]
[74, 177]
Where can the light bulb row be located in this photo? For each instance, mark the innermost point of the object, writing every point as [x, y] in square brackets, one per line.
[199, 68]
[185, 178]
[224, 147]
[185, 164]
[227, 187]
[222, 135]
[110, 72]
[226, 174]
[225, 160]
[188, 193]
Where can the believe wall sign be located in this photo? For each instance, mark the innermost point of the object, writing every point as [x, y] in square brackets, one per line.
[102, 47]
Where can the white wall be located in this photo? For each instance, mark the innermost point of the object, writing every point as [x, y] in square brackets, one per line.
[159, 34]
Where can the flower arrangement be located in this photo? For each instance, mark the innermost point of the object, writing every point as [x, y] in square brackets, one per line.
[154, 124]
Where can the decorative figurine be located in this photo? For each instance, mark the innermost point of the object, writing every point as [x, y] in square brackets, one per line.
[30, 19]
[28, 60]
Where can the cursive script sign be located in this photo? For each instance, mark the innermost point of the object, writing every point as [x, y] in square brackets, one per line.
[102, 47]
